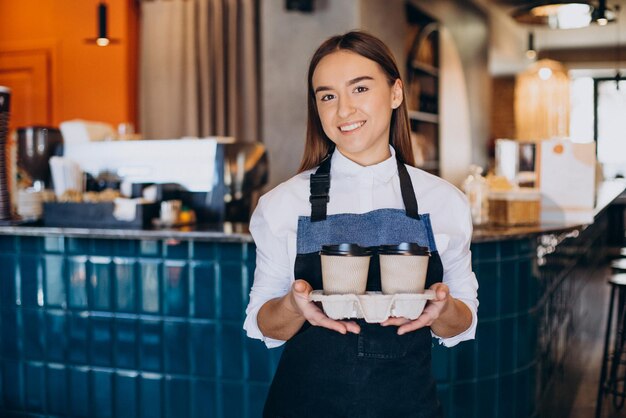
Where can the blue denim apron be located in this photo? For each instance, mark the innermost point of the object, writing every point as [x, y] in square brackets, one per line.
[377, 373]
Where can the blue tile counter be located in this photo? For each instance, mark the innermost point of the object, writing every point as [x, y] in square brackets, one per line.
[104, 327]
[149, 323]
[528, 319]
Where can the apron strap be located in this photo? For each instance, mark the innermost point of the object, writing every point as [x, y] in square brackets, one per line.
[408, 193]
[320, 186]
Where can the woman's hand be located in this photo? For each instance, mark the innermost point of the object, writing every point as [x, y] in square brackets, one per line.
[433, 310]
[299, 298]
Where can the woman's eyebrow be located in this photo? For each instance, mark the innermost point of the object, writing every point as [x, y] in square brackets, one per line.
[358, 80]
[349, 83]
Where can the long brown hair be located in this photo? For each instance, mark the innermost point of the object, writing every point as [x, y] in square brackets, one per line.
[318, 145]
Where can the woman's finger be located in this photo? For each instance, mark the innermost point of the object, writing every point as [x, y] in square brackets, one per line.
[302, 287]
[326, 322]
[441, 291]
[318, 318]
[411, 326]
[397, 321]
[424, 319]
[352, 326]
[314, 314]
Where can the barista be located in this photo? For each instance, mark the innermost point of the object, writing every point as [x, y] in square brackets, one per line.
[357, 184]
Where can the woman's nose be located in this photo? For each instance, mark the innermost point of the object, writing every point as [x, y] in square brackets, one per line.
[345, 108]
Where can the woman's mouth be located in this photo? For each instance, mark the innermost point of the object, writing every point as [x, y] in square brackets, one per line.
[351, 127]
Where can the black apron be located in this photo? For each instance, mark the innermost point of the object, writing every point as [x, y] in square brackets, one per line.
[377, 373]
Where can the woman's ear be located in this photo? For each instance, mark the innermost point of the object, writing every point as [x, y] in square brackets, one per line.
[396, 94]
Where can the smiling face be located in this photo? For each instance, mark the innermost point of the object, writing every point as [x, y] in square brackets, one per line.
[354, 102]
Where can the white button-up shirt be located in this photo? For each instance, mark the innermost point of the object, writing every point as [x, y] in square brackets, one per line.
[357, 189]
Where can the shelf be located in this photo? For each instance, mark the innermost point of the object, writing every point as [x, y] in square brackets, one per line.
[426, 68]
[423, 116]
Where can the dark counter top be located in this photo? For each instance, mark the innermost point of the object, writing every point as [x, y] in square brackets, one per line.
[608, 192]
[227, 232]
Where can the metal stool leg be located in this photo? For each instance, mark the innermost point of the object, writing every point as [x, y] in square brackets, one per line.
[616, 380]
[605, 355]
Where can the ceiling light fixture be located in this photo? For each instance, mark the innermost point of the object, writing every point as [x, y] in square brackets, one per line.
[564, 14]
[544, 73]
[600, 14]
[542, 101]
[103, 38]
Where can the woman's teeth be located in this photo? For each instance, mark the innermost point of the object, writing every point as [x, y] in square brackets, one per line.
[351, 127]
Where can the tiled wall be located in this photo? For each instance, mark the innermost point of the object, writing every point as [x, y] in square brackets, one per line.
[492, 376]
[564, 316]
[128, 328]
[132, 328]
[529, 317]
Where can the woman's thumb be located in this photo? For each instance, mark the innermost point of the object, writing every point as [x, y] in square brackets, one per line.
[302, 286]
[441, 291]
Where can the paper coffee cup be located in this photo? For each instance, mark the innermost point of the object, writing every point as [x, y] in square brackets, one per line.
[403, 268]
[344, 269]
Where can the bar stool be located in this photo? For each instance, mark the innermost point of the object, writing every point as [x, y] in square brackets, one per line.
[614, 253]
[613, 372]
[618, 265]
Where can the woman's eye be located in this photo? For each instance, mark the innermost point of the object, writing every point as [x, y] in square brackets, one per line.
[327, 97]
[360, 89]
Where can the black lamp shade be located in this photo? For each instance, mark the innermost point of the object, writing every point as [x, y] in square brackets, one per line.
[102, 20]
[102, 37]
[305, 6]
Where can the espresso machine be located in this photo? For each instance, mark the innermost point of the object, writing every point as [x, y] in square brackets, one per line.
[220, 179]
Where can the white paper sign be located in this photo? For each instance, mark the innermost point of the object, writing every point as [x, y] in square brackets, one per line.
[567, 181]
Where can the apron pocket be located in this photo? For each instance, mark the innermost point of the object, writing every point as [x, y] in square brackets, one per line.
[375, 341]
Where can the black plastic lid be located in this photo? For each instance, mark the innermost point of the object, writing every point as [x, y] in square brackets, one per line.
[404, 248]
[346, 250]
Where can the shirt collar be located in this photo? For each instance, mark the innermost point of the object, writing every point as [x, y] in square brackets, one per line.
[385, 170]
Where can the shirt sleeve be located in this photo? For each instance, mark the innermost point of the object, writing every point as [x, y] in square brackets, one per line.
[458, 274]
[272, 276]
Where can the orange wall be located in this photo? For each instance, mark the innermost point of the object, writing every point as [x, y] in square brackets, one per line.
[89, 82]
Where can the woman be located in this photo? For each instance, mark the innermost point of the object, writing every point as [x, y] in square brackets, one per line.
[357, 184]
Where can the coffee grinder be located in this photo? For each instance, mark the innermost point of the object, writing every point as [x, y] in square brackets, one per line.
[35, 146]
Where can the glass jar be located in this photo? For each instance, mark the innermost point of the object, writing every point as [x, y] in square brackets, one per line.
[477, 191]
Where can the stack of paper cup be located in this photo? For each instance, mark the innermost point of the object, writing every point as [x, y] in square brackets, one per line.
[30, 203]
[5, 197]
[403, 268]
[345, 268]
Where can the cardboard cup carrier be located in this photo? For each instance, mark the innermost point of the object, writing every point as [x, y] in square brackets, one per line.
[344, 278]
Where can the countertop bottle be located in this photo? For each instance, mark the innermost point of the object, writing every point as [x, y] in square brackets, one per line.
[476, 189]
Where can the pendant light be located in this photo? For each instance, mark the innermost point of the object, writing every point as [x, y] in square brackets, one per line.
[564, 14]
[542, 101]
[102, 19]
[600, 14]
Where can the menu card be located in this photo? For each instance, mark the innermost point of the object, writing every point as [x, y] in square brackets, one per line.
[567, 181]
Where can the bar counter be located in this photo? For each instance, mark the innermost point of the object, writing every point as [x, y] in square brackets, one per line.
[112, 323]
